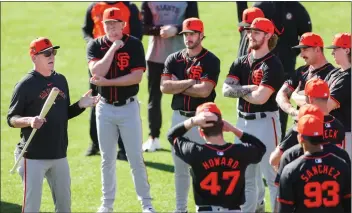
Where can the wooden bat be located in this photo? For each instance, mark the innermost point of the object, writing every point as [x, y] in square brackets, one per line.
[46, 107]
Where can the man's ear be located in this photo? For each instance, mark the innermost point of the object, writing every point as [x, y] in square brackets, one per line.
[348, 50]
[201, 36]
[34, 58]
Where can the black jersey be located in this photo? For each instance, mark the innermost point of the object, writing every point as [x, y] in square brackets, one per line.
[318, 183]
[127, 59]
[204, 67]
[29, 96]
[340, 91]
[303, 74]
[218, 171]
[266, 71]
[296, 151]
[334, 132]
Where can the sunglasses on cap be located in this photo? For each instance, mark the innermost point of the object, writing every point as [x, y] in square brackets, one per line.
[47, 53]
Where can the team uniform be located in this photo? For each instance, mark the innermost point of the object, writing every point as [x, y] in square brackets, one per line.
[291, 21]
[302, 74]
[340, 91]
[315, 182]
[46, 154]
[204, 67]
[296, 151]
[260, 120]
[117, 114]
[217, 170]
[334, 132]
[155, 15]
[93, 28]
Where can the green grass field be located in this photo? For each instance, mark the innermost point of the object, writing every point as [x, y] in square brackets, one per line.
[21, 22]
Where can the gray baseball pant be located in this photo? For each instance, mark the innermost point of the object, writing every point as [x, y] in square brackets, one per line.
[268, 130]
[57, 173]
[182, 175]
[113, 122]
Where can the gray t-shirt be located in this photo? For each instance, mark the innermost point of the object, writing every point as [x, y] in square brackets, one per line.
[165, 13]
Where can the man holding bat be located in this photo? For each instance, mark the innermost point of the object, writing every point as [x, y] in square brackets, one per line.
[45, 155]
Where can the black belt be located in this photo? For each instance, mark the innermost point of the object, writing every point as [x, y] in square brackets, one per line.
[209, 208]
[187, 113]
[118, 103]
[251, 116]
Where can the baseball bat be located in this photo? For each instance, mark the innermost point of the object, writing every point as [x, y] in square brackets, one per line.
[46, 107]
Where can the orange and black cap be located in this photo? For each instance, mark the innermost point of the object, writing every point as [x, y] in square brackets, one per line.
[262, 24]
[310, 40]
[317, 88]
[40, 45]
[192, 25]
[208, 107]
[113, 14]
[311, 128]
[249, 15]
[310, 109]
[341, 40]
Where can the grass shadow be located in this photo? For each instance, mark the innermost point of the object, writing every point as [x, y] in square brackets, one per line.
[160, 166]
[10, 207]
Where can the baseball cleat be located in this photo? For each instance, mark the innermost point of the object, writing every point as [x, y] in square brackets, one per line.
[149, 210]
[151, 145]
[92, 150]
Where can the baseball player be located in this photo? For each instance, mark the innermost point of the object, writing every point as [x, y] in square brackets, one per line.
[46, 154]
[117, 63]
[317, 66]
[217, 167]
[296, 151]
[190, 75]
[340, 85]
[93, 28]
[255, 79]
[291, 21]
[248, 16]
[318, 181]
[163, 25]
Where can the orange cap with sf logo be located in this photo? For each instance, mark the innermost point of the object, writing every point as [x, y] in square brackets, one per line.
[192, 25]
[39, 45]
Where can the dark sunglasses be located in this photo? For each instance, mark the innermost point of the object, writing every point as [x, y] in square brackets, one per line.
[47, 53]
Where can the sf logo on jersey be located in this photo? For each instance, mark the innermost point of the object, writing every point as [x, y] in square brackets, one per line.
[257, 76]
[123, 60]
[195, 72]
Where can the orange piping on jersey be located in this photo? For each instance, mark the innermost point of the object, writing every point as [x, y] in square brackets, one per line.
[347, 196]
[137, 68]
[289, 86]
[336, 101]
[93, 59]
[307, 157]
[166, 74]
[333, 118]
[274, 127]
[234, 77]
[268, 86]
[208, 80]
[285, 201]
[220, 150]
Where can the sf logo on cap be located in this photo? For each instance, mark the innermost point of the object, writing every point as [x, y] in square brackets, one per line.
[111, 13]
[46, 41]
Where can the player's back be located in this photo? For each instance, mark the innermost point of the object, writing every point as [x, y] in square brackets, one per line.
[218, 173]
[319, 183]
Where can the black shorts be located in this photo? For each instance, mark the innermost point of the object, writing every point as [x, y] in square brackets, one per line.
[289, 140]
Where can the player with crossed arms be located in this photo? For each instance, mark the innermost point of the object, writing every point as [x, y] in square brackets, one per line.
[217, 167]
